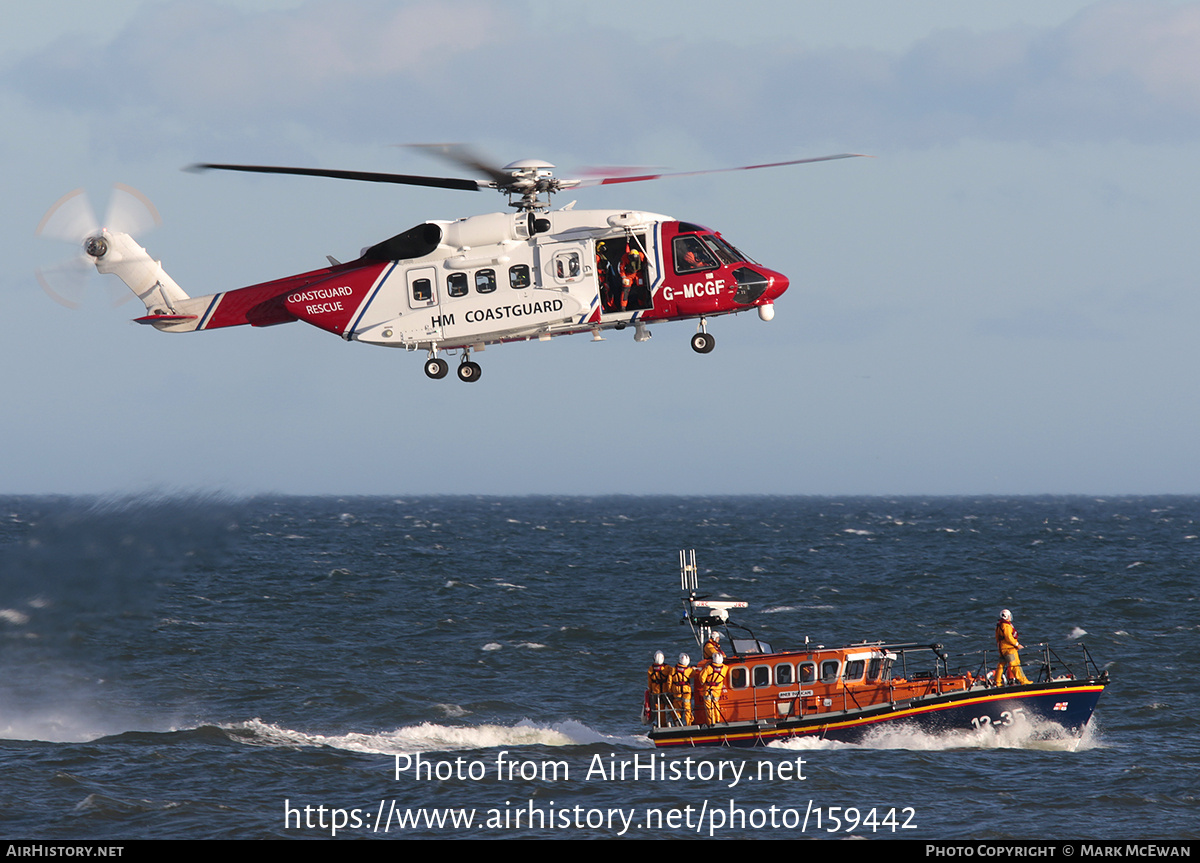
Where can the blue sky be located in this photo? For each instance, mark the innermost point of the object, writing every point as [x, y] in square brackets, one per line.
[1003, 301]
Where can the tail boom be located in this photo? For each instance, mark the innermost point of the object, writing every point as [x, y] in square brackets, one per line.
[170, 309]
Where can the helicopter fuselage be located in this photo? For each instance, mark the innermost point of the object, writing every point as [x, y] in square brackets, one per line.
[462, 285]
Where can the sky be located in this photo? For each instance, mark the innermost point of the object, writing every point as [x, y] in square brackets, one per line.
[1002, 301]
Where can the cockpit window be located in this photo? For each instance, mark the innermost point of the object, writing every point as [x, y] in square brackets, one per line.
[692, 255]
[725, 252]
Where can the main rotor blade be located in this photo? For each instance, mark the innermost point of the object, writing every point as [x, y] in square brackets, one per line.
[368, 176]
[467, 158]
[604, 181]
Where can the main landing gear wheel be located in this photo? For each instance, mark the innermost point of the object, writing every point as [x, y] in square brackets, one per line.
[436, 368]
[703, 343]
[469, 372]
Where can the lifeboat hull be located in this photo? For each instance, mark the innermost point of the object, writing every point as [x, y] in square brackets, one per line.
[1064, 704]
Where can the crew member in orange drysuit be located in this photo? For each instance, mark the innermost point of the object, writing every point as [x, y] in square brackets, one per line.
[658, 683]
[632, 264]
[1008, 644]
[713, 646]
[710, 684]
[681, 689]
[606, 273]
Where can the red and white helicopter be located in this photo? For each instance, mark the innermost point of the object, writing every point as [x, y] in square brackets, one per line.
[457, 286]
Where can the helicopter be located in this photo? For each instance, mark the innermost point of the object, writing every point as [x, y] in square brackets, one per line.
[458, 286]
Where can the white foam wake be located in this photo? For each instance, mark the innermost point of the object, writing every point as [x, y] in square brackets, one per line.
[1023, 735]
[433, 737]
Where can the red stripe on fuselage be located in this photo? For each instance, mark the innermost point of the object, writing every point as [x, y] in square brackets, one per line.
[331, 303]
[266, 303]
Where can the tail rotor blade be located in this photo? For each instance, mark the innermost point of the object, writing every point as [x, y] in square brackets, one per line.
[130, 212]
[71, 219]
[66, 283]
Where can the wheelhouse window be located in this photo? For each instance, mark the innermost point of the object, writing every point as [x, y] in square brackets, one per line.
[456, 284]
[485, 281]
[518, 276]
[829, 670]
[692, 255]
[762, 675]
[854, 670]
[806, 672]
[739, 678]
[783, 674]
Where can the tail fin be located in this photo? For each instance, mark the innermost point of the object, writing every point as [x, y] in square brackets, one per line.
[117, 253]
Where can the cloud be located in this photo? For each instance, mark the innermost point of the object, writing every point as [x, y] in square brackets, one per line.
[466, 69]
[1154, 48]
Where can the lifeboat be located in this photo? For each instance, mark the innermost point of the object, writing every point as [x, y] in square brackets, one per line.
[766, 695]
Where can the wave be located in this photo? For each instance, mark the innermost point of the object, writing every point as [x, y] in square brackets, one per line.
[434, 737]
[1046, 737]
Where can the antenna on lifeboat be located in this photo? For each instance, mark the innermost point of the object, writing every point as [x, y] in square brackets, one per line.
[687, 569]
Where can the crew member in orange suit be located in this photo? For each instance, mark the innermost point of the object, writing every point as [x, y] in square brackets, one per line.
[682, 677]
[1008, 644]
[710, 685]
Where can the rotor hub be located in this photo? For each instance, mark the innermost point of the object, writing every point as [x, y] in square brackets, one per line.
[96, 246]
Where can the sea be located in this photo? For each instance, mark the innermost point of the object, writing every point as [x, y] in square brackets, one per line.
[338, 668]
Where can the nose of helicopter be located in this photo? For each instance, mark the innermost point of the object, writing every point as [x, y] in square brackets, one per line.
[778, 283]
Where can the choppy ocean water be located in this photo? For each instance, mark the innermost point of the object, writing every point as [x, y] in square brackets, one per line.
[208, 668]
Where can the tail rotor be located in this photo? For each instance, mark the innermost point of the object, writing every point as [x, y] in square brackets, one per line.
[72, 219]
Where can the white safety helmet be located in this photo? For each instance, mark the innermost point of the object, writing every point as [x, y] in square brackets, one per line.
[718, 659]
[716, 636]
[1006, 615]
[684, 659]
[659, 659]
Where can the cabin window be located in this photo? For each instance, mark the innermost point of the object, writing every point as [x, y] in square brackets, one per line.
[485, 281]
[567, 266]
[738, 678]
[456, 284]
[518, 276]
[829, 670]
[422, 290]
[854, 670]
[874, 668]
[806, 672]
[692, 255]
[783, 675]
[762, 675]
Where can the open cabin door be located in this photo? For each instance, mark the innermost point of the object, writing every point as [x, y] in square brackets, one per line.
[624, 272]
